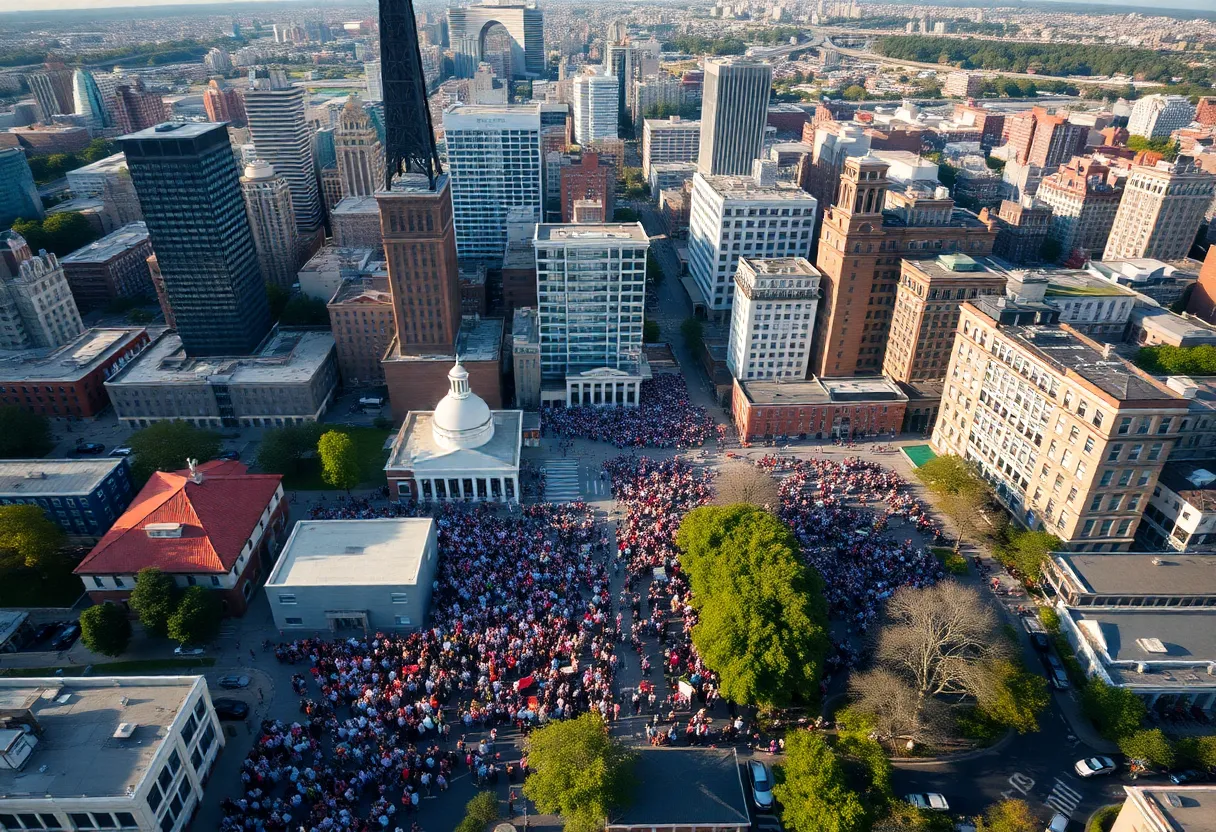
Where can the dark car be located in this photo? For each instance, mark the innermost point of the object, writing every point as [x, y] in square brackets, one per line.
[90, 448]
[1040, 642]
[46, 631]
[66, 638]
[230, 709]
[1191, 775]
[230, 455]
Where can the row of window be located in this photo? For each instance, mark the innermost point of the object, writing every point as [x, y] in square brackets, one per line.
[77, 820]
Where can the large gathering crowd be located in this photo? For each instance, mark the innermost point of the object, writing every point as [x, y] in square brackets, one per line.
[842, 512]
[664, 418]
[520, 633]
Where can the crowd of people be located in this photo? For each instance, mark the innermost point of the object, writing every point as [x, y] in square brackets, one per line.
[842, 511]
[664, 418]
[520, 633]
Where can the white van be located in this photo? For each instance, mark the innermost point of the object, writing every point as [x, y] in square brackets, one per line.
[371, 401]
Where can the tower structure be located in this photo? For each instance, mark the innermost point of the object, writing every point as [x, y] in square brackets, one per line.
[734, 112]
[409, 144]
[223, 103]
[281, 136]
[89, 102]
[1161, 211]
[359, 153]
[272, 221]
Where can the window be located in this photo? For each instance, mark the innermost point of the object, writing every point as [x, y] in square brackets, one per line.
[1134, 454]
[205, 741]
[285, 598]
[1134, 503]
[400, 598]
[1107, 476]
[1113, 503]
[104, 820]
[293, 622]
[175, 762]
[82, 820]
[126, 820]
[1125, 425]
[1124, 527]
[1073, 434]
[1088, 528]
[1113, 453]
[1125, 477]
[189, 728]
[165, 779]
[98, 582]
[154, 798]
[1096, 503]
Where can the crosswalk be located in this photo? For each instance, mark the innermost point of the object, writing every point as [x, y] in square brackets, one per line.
[1063, 798]
[562, 484]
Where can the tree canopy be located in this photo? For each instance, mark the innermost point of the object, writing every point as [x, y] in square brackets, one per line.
[339, 467]
[1116, 711]
[578, 771]
[165, 446]
[812, 791]
[24, 435]
[60, 234]
[1150, 747]
[105, 629]
[1010, 695]
[196, 619]
[1008, 816]
[27, 538]
[283, 449]
[762, 618]
[153, 599]
[1166, 360]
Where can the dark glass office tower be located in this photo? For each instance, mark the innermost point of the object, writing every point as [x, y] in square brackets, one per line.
[191, 199]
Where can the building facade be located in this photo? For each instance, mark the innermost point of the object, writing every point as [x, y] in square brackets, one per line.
[595, 108]
[19, 197]
[524, 24]
[361, 319]
[665, 141]
[1021, 230]
[734, 113]
[731, 217]
[360, 156]
[1071, 437]
[1162, 208]
[1083, 206]
[494, 165]
[817, 408]
[1157, 116]
[771, 318]
[37, 309]
[927, 303]
[116, 266]
[272, 221]
[81, 496]
[136, 108]
[281, 136]
[525, 358]
[588, 180]
[223, 103]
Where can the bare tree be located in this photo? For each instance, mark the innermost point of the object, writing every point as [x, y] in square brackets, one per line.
[938, 636]
[742, 482]
[898, 709]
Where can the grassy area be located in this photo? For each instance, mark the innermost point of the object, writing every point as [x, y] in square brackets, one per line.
[955, 563]
[30, 588]
[131, 668]
[369, 449]
[918, 455]
[1103, 819]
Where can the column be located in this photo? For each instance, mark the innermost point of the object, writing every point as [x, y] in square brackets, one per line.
[515, 488]
[502, 489]
[459, 487]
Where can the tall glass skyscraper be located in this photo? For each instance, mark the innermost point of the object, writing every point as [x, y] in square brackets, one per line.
[89, 102]
[192, 202]
[18, 194]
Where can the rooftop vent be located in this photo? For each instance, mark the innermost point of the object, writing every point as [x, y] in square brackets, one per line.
[1174, 800]
[35, 475]
[124, 730]
[163, 529]
[1183, 385]
[1151, 645]
[1201, 478]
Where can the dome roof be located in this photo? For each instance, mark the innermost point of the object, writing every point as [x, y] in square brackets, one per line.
[462, 419]
[259, 169]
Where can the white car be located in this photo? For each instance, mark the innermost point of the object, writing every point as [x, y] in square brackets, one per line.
[929, 800]
[187, 650]
[1094, 766]
[121, 450]
[762, 784]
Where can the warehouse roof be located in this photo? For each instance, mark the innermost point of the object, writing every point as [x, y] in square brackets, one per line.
[386, 551]
[35, 477]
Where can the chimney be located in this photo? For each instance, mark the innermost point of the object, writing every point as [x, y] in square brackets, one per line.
[764, 173]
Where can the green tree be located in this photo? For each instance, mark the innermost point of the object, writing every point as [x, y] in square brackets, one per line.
[97, 150]
[1151, 747]
[24, 435]
[811, 788]
[479, 813]
[1027, 551]
[1166, 360]
[339, 468]
[1117, 712]
[301, 310]
[578, 771]
[27, 538]
[693, 334]
[154, 599]
[1196, 752]
[951, 474]
[283, 449]
[654, 272]
[196, 620]
[651, 333]
[1008, 816]
[624, 215]
[762, 619]
[1012, 696]
[67, 232]
[105, 629]
[165, 446]
[277, 298]
[854, 92]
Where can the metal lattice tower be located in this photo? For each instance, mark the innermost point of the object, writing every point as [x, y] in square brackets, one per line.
[409, 137]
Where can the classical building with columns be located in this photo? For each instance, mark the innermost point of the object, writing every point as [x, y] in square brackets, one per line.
[460, 451]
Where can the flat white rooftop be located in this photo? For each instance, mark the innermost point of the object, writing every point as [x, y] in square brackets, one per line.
[592, 233]
[387, 551]
[35, 477]
[78, 754]
[290, 357]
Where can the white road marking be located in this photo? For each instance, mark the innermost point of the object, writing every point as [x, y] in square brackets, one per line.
[1063, 798]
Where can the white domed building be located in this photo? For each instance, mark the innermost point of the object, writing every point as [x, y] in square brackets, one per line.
[460, 451]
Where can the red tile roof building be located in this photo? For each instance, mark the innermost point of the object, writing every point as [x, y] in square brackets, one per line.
[212, 528]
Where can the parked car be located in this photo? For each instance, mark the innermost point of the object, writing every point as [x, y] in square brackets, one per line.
[762, 784]
[230, 709]
[1054, 661]
[90, 448]
[66, 638]
[1059, 823]
[46, 631]
[1040, 642]
[188, 650]
[230, 455]
[929, 800]
[232, 681]
[1191, 775]
[1095, 766]
[121, 450]
[1059, 679]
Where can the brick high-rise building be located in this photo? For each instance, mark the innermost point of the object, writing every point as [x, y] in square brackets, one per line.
[1039, 138]
[137, 109]
[931, 292]
[224, 103]
[588, 180]
[361, 317]
[1072, 436]
[1203, 297]
[1083, 205]
[1162, 208]
[1021, 229]
[990, 123]
[819, 171]
[864, 236]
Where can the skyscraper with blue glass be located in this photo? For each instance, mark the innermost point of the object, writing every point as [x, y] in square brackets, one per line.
[18, 194]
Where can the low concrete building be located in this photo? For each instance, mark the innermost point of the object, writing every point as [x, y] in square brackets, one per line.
[817, 408]
[290, 380]
[82, 496]
[114, 267]
[1181, 514]
[1152, 326]
[355, 574]
[418, 379]
[356, 223]
[325, 271]
[1163, 282]
[1159, 808]
[106, 752]
[15, 632]
[710, 778]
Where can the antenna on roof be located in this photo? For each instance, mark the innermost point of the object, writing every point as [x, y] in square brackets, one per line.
[196, 476]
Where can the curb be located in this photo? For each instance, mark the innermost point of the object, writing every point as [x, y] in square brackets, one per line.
[962, 756]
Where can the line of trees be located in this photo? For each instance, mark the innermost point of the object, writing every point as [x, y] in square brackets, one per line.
[60, 234]
[1166, 360]
[1046, 58]
[700, 45]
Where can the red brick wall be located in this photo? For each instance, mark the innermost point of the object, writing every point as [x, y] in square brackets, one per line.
[755, 422]
[419, 385]
[518, 289]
